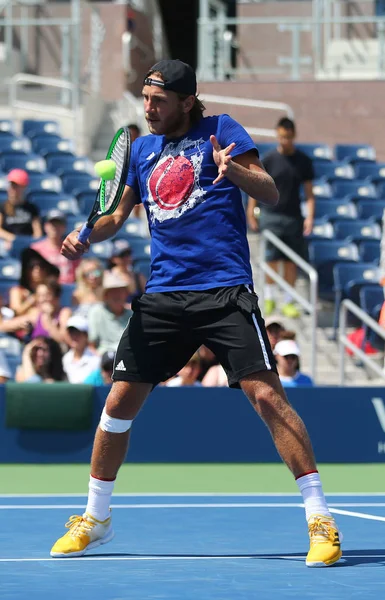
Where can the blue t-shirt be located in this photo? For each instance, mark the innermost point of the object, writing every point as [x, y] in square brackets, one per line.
[298, 380]
[198, 229]
[95, 378]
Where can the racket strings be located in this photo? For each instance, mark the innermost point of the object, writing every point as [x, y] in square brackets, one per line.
[118, 156]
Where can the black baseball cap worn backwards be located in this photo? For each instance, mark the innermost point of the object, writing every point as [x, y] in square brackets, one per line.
[178, 77]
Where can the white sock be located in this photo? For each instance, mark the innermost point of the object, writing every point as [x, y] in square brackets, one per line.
[271, 291]
[99, 498]
[310, 487]
[287, 298]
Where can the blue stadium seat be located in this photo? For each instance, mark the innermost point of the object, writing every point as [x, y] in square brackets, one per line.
[371, 301]
[332, 171]
[67, 290]
[12, 143]
[3, 196]
[5, 286]
[355, 152]
[369, 251]
[44, 181]
[59, 164]
[380, 187]
[317, 151]
[74, 221]
[10, 268]
[370, 209]
[32, 127]
[335, 209]
[11, 346]
[52, 144]
[134, 228]
[79, 182]
[86, 200]
[101, 250]
[265, 147]
[46, 201]
[348, 279]
[143, 266]
[356, 187]
[141, 248]
[19, 244]
[371, 171]
[356, 231]
[324, 254]
[21, 160]
[322, 229]
[7, 127]
[322, 188]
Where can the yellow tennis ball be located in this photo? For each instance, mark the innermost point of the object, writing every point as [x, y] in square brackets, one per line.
[105, 169]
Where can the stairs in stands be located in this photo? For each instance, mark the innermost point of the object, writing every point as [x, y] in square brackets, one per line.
[327, 350]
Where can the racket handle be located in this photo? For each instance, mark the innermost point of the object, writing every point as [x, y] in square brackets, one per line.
[84, 233]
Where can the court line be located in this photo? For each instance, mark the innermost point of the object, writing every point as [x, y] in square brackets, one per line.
[202, 505]
[349, 513]
[193, 495]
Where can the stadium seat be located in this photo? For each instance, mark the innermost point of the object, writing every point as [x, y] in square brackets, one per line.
[11, 346]
[44, 181]
[380, 188]
[322, 188]
[134, 228]
[371, 301]
[32, 127]
[86, 200]
[79, 182]
[371, 209]
[265, 147]
[332, 171]
[101, 250]
[60, 164]
[316, 151]
[357, 187]
[356, 231]
[322, 229]
[3, 182]
[67, 290]
[143, 265]
[335, 209]
[11, 143]
[370, 171]
[46, 201]
[355, 152]
[141, 248]
[19, 244]
[348, 279]
[323, 255]
[3, 196]
[369, 251]
[5, 286]
[52, 144]
[10, 268]
[21, 160]
[74, 221]
[7, 127]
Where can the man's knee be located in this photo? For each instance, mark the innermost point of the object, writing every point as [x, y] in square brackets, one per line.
[123, 404]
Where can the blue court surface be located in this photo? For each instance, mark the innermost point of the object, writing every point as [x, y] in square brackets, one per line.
[195, 547]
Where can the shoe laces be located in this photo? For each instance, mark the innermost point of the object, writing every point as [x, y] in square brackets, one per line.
[78, 525]
[321, 530]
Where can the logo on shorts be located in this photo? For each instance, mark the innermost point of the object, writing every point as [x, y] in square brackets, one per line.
[120, 367]
[173, 186]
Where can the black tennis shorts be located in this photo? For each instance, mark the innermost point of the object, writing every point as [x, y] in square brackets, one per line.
[167, 328]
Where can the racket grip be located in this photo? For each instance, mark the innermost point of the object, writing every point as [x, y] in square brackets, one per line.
[84, 233]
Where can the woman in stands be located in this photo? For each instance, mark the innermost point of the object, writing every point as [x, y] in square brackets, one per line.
[89, 285]
[41, 362]
[18, 217]
[34, 270]
[121, 263]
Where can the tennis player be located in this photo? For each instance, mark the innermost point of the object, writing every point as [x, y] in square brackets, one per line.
[188, 174]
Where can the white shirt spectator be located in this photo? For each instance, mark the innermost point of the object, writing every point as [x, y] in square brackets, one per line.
[178, 381]
[78, 370]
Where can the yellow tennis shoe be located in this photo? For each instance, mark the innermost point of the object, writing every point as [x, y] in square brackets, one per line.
[325, 543]
[84, 534]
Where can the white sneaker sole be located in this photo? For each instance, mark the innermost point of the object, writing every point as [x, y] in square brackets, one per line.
[104, 540]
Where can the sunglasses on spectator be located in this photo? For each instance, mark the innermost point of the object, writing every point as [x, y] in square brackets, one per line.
[94, 272]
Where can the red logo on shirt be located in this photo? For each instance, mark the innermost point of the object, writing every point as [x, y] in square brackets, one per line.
[172, 182]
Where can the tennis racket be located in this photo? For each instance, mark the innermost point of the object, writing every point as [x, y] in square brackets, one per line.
[110, 191]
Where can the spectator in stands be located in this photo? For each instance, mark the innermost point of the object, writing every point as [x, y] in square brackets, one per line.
[49, 247]
[121, 263]
[107, 321]
[134, 130]
[290, 168]
[89, 285]
[103, 375]
[48, 318]
[207, 360]
[215, 377]
[18, 217]
[41, 362]
[34, 270]
[274, 329]
[188, 375]
[79, 361]
[287, 355]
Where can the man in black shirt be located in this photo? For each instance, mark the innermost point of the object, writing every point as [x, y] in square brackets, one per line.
[290, 168]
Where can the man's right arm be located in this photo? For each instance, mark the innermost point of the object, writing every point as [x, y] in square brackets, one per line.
[105, 228]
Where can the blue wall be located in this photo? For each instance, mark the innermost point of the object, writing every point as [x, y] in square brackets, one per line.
[217, 425]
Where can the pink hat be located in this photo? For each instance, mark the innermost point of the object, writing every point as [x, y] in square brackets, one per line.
[18, 176]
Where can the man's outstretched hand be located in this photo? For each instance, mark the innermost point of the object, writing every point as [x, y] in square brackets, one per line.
[222, 158]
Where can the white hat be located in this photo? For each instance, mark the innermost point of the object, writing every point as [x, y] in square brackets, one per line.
[77, 322]
[287, 347]
[113, 281]
[274, 320]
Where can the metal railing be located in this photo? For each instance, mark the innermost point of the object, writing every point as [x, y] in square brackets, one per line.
[234, 101]
[347, 306]
[16, 104]
[309, 305]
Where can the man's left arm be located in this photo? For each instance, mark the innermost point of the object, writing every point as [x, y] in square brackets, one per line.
[310, 207]
[245, 171]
